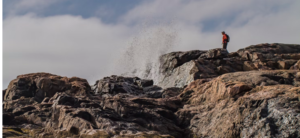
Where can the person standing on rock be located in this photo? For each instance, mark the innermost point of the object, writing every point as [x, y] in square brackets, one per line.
[225, 40]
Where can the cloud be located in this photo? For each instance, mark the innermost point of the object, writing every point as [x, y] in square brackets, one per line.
[247, 22]
[63, 45]
[194, 11]
[87, 47]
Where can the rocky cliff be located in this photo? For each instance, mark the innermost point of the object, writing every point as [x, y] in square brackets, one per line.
[254, 92]
[180, 68]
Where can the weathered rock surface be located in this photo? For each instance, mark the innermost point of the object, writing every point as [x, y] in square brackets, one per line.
[41, 85]
[110, 86]
[243, 104]
[254, 92]
[119, 106]
[179, 72]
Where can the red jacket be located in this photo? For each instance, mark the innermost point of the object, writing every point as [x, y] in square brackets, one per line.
[224, 38]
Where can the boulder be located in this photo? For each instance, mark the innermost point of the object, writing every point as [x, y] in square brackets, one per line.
[41, 85]
[198, 69]
[172, 60]
[186, 73]
[286, 64]
[113, 85]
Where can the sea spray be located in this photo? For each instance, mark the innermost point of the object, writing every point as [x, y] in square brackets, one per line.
[141, 57]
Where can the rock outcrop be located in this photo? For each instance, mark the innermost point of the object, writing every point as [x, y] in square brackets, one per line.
[41, 85]
[117, 106]
[181, 68]
[110, 86]
[254, 92]
[243, 104]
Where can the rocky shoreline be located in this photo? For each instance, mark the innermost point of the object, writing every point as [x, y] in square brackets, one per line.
[254, 92]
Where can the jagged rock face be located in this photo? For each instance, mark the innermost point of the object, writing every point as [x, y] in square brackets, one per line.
[248, 93]
[41, 85]
[178, 72]
[118, 106]
[178, 69]
[110, 86]
[271, 56]
[270, 51]
[113, 85]
[243, 104]
[176, 59]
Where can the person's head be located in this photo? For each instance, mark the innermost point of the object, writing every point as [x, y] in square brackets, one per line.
[223, 32]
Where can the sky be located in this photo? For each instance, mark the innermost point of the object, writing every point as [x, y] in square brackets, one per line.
[88, 39]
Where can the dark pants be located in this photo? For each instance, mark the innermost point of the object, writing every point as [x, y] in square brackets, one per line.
[224, 45]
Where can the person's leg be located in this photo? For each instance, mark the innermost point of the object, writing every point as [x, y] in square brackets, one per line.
[224, 45]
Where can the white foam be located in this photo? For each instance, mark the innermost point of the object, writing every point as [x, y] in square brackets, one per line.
[141, 57]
